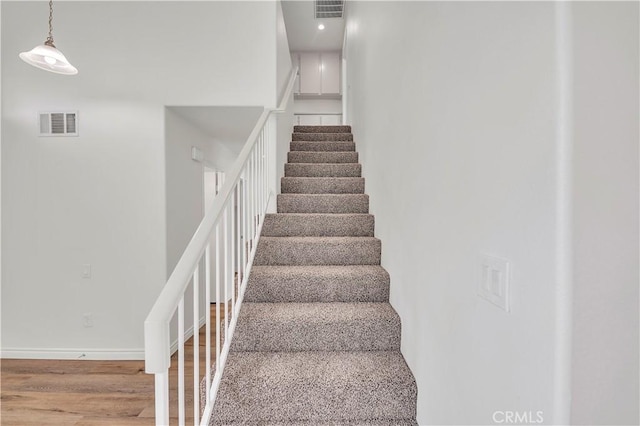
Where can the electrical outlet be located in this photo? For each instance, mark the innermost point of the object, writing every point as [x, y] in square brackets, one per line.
[86, 271]
[494, 282]
[87, 320]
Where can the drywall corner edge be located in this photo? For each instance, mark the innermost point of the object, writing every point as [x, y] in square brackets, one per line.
[564, 215]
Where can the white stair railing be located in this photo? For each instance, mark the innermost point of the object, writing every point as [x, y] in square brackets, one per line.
[222, 249]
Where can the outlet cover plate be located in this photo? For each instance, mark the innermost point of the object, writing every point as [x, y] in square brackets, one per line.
[86, 270]
[87, 320]
[494, 281]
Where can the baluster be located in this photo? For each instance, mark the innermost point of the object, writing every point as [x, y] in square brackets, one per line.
[226, 271]
[265, 162]
[256, 183]
[181, 401]
[260, 168]
[207, 296]
[196, 344]
[245, 228]
[217, 296]
[233, 246]
[239, 231]
[162, 397]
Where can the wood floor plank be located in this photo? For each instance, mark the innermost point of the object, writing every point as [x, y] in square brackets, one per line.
[79, 383]
[105, 404]
[19, 417]
[121, 421]
[37, 366]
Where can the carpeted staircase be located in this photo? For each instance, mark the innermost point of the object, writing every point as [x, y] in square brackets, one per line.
[317, 342]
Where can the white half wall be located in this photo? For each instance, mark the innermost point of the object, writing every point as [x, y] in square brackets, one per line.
[99, 198]
[318, 106]
[605, 309]
[453, 108]
[184, 183]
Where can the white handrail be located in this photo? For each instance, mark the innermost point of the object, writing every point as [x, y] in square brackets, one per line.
[253, 168]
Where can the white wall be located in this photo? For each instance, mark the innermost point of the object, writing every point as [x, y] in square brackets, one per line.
[605, 317]
[283, 59]
[184, 183]
[453, 110]
[100, 198]
[464, 134]
[284, 121]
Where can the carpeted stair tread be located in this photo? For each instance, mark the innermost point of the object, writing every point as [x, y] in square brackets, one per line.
[322, 146]
[323, 203]
[316, 136]
[293, 327]
[318, 251]
[391, 422]
[323, 170]
[322, 129]
[326, 283]
[322, 157]
[322, 185]
[318, 225]
[315, 387]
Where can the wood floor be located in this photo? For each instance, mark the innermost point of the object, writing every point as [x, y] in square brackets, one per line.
[90, 393]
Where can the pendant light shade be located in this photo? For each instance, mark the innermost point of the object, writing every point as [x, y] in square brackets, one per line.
[47, 56]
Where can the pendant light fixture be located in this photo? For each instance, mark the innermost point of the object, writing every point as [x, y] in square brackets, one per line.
[46, 56]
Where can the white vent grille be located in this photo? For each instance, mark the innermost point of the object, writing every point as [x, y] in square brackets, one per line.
[329, 8]
[58, 124]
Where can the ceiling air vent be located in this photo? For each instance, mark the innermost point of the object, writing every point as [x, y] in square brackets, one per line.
[329, 8]
[58, 124]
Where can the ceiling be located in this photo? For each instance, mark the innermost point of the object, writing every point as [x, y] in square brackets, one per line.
[302, 27]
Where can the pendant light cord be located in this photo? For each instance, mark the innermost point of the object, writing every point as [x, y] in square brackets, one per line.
[49, 40]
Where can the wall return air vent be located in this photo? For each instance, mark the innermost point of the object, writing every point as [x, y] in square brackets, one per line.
[58, 123]
[329, 8]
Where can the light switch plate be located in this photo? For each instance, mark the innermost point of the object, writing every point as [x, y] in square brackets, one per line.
[87, 320]
[494, 281]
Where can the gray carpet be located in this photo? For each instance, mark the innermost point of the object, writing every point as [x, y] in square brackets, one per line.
[317, 342]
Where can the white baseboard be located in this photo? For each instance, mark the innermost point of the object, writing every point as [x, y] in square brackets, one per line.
[84, 354]
[187, 335]
[87, 354]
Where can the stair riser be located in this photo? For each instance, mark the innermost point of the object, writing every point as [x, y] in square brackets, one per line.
[322, 137]
[273, 284]
[323, 146]
[317, 327]
[319, 203]
[298, 185]
[322, 157]
[298, 251]
[328, 225]
[322, 129]
[322, 170]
